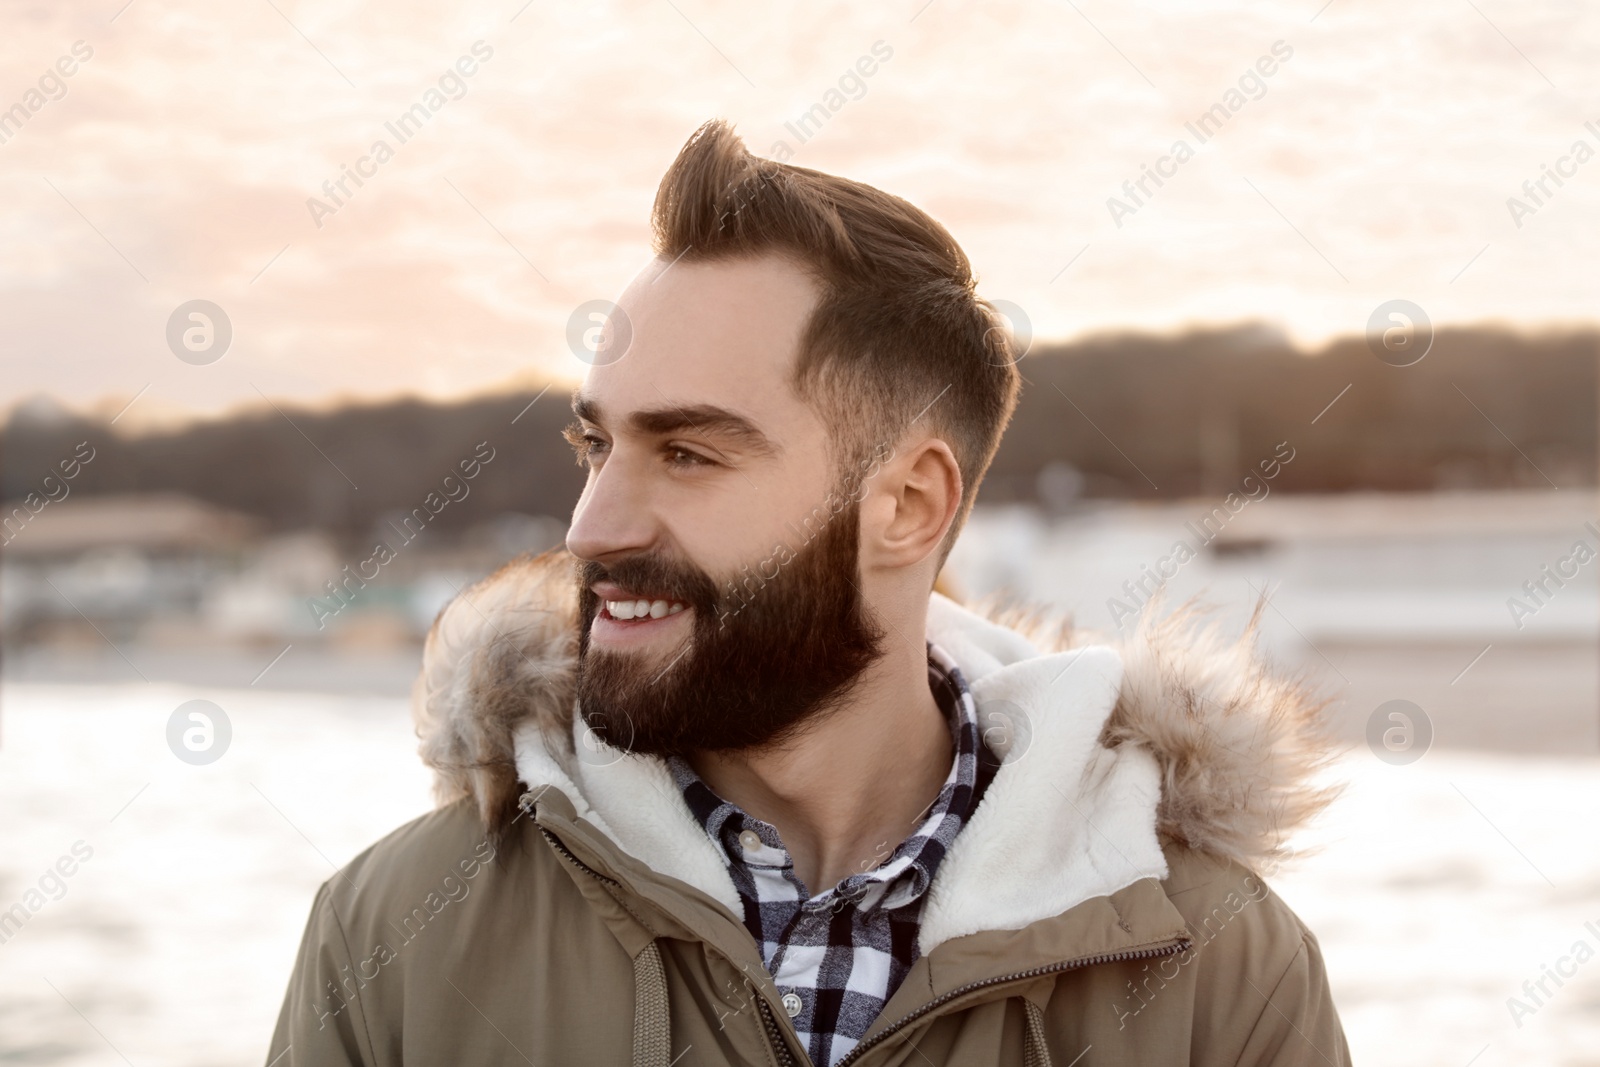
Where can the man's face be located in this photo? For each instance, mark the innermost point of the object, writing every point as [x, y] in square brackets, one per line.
[718, 592]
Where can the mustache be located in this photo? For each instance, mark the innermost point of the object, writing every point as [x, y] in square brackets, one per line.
[652, 574]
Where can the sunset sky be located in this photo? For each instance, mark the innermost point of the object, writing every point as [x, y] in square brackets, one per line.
[176, 162]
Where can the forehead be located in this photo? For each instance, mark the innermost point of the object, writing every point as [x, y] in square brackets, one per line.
[723, 333]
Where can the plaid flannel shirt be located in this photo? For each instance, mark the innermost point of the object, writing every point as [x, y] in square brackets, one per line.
[837, 957]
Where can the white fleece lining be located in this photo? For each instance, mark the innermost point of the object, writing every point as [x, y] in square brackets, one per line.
[634, 801]
[1064, 820]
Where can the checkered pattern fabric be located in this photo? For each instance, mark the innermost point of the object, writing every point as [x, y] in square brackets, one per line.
[838, 956]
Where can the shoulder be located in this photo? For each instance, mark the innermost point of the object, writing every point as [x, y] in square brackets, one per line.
[431, 862]
[1236, 921]
[390, 927]
[445, 840]
[1214, 894]
[1258, 969]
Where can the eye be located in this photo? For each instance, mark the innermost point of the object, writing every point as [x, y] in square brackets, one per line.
[678, 456]
[586, 444]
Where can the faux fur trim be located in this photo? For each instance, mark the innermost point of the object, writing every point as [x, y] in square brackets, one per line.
[1240, 745]
[500, 654]
[1176, 735]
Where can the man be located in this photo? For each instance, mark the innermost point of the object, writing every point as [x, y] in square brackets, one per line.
[726, 783]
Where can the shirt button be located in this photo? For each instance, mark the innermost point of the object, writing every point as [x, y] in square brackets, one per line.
[792, 1004]
[750, 840]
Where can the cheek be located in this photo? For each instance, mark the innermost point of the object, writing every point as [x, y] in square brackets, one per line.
[753, 521]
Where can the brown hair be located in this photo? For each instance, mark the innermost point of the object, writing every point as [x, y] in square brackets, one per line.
[898, 334]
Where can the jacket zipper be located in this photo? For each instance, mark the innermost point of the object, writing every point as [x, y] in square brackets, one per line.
[775, 1038]
[1087, 961]
[561, 849]
[781, 1046]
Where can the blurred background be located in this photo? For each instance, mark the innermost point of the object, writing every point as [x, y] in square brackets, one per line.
[1305, 288]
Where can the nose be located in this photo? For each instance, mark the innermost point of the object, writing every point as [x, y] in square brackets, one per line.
[613, 517]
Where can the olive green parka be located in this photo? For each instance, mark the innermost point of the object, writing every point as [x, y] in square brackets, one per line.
[1104, 905]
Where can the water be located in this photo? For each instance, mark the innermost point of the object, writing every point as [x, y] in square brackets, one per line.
[172, 943]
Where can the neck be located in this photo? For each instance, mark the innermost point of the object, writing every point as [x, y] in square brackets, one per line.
[846, 792]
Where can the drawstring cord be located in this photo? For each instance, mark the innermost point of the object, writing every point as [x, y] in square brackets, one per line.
[1035, 1052]
[652, 1026]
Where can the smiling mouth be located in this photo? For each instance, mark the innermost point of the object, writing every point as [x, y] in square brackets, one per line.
[629, 610]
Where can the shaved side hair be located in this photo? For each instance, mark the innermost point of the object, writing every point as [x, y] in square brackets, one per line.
[898, 337]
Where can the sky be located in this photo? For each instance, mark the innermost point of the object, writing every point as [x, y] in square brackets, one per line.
[185, 156]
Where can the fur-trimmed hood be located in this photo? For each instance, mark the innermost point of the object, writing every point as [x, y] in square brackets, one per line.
[1176, 735]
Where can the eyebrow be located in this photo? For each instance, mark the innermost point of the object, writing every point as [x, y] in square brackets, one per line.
[707, 419]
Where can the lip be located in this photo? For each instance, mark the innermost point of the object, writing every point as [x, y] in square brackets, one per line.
[608, 590]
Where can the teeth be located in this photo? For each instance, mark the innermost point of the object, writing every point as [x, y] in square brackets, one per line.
[639, 609]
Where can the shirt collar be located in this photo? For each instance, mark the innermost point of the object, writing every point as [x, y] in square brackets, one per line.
[905, 873]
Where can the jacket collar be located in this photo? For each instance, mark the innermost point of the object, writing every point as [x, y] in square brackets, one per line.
[1175, 734]
[1064, 820]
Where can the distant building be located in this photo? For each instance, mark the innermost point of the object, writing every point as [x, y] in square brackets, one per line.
[152, 524]
[112, 560]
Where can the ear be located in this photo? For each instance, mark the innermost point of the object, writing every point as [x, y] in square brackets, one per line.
[909, 505]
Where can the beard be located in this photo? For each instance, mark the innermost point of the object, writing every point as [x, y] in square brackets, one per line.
[765, 658]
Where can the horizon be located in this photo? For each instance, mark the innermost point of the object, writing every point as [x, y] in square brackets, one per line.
[141, 418]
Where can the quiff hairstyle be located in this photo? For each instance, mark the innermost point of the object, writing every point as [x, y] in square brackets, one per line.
[898, 335]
